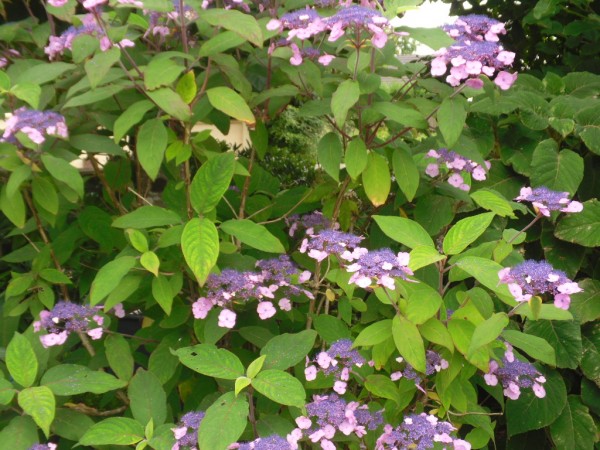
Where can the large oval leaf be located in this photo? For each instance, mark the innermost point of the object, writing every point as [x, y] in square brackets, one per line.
[280, 387]
[253, 234]
[211, 182]
[200, 246]
[224, 422]
[40, 404]
[21, 362]
[409, 342]
[73, 379]
[209, 360]
[114, 431]
[231, 103]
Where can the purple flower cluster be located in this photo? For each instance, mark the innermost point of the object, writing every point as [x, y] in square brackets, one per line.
[514, 375]
[329, 414]
[232, 286]
[48, 446]
[35, 124]
[475, 52]
[379, 265]
[434, 363]
[357, 18]
[332, 242]
[8, 56]
[273, 442]
[457, 166]
[310, 223]
[545, 200]
[58, 44]
[539, 277]
[338, 361]
[65, 318]
[419, 432]
[164, 25]
[186, 432]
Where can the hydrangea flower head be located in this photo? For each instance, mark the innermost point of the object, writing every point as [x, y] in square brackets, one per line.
[455, 167]
[332, 242]
[301, 24]
[357, 18]
[338, 360]
[546, 200]
[381, 266]
[514, 375]
[419, 431]
[37, 125]
[531, 278]
[273, 442]
[433, 363]
[48, 446]
[475, 52]
[65, 318]
[186, 431]
[309, 223]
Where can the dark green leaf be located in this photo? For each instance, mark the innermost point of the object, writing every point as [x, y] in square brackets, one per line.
[151, 145]
[329, 153]
[564, 336]
[147, 217]
[574, 428]
[72, 379]
[211, 361]
[287, 350]
[229, 410]
[582, 228]
[560, 171]
[200, 246]
[281, 387]
[253, 234]
[211, 182]
[451, 119]
[147, 397]
[534, 346]
[108, 277]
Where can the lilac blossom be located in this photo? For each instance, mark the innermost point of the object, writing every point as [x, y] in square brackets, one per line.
[35, 124]
[545, 200]
[357, 18]
[272, 277]
[330, 414]
[419, 432]
[381, 266]
[531, 278]
[48, 446]
[514, 375]
[309, 223]
[332, 242]
[186, 431]
[273, 442]
[65, 318]
[476, 52]
[338, 360]
[455, 167]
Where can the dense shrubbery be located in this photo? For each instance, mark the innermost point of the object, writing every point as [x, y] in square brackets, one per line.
[433, 284]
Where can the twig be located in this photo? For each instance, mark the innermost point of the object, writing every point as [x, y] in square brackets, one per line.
[538, 217]
[89, 411]
[130, 189]
[111, 193]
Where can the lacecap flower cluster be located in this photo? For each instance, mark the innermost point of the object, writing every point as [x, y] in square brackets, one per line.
[186, 431]
[476, 51]
[455, 167]
[545, 200]
[37, 125]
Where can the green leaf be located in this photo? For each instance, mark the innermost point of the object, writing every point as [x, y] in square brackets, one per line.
[560, 171]
[186, 86]
[7, 391]
[164, 293]
[493, 201]
[17, 177]
[114, 431]
[287, 350]
[590, 361]
[200, 246]
[108, 277]
[83, 46]
[256, 366]
[231, 103]
[487, 331]
[486, 272]
[39, 403]
[130, 117]
[118, 354]
[331, 328]
[376, 179]
[54, 276]
[221, 42]
[575, 427]
[582, 228]
[356, 158]
[281, 387]
[401, 113]
[137, 239]
[21, 362]
[151, 145]
[536, 347]
[28, 92]
[329, 153]
[94, 96]
[63, 171]
[73, 379]
[383, 387]
[147, 217]
[211, 361]
[422, 256]
[563, 336]
[374, 334]
[97, 67]
[43, 73]
[465, 232]
[161, 72]
[405, 231]
[241, 383]
[170, 102]
[253, 234]
[229, 410]
[19, 434]
[436, 332]
[451, 119]
[409, 342]
[529, 412]
[70, 424]
[95, 143]
[585, 305]
[435, 38]
[423, 301]
[13, 207]
[242, 24]
[150, 262]
[344, 98]
[211, 182]
[406, 173]
[148, 400]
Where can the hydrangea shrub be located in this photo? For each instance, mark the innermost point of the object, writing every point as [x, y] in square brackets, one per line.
[435, 287]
